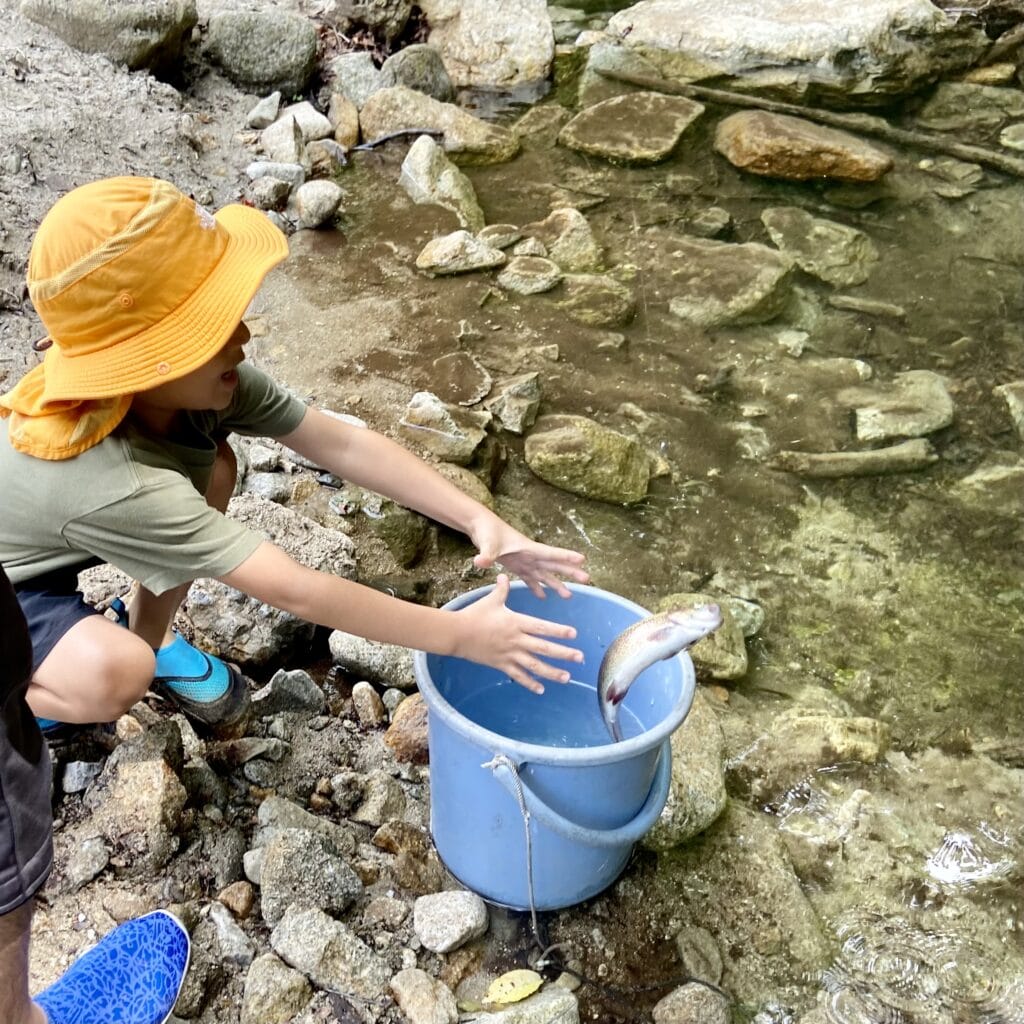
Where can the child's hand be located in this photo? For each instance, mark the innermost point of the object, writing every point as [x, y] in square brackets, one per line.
[538, 565]
[491, 634]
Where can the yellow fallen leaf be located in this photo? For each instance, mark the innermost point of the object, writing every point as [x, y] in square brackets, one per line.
[513, 986]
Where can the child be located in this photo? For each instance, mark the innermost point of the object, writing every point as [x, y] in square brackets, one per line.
[114, 451]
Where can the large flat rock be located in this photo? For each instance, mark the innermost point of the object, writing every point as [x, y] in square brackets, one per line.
[866, 52]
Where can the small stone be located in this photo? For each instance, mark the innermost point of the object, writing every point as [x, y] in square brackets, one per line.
[423, 999]
[282, 141]
[369, 707]
[269, 193]
[447, 920]
[344, 116]
[235, 946]
[530, 247]
[312, 124]
[458, 253]
[238, 897]
[294, 174]
[501, 236]
[529, 275]
[78, 775]
[317, 202]
[407, 734]
[274, 993]
[383, 800]
[265, 112]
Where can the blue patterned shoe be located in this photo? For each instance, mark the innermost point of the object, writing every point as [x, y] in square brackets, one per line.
[132, 977]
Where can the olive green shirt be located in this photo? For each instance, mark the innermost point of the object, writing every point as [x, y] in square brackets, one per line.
[136, 500]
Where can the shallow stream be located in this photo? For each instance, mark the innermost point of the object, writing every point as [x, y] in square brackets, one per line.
[890, 591]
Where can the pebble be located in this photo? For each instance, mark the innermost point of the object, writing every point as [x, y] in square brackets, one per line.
[317, 202]
[265, 112]
[235, 945]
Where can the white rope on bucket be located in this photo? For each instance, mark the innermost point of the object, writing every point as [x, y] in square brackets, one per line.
[504, 761]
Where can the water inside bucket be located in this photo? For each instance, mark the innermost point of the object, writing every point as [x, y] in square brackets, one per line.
[565, 715]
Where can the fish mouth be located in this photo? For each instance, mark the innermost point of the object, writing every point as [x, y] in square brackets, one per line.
[705, 615]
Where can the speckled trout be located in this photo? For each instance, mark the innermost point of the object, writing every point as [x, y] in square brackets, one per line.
[639, 646]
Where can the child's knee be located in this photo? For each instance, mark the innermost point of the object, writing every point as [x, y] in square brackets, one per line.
[123, 673]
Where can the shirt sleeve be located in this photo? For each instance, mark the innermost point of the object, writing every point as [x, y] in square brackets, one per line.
[164, 534]
[261, 407]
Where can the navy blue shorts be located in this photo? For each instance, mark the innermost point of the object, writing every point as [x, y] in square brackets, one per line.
[26, 823]
[52, 604]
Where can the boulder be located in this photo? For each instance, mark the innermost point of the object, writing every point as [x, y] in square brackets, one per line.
[264, 50]
[697, 793]
[384, 18]
[143, 34]
[489, 44]
[356, 77]
[807, 49]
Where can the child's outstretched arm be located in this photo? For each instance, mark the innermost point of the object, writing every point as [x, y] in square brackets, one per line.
[485, 632]
[373, 461]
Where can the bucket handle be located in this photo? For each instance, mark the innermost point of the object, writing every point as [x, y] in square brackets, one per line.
[626, 834]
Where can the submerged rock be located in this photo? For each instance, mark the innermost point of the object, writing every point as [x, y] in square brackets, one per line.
[997, 489]
[979, 111]
[721, 283]
[767, 930]
[914, 404]
[598, 300]
[780, 146]
[836, 253]
[582, 456]
[805, 740]
[637, 128]
[569, 241]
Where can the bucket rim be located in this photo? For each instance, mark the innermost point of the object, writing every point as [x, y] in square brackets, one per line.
[580, 757]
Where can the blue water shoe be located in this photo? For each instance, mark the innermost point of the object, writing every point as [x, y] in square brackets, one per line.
[133, 976]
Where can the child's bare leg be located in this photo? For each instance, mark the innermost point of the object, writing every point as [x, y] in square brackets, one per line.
[95, 673]
[15, 929]
[152, 615]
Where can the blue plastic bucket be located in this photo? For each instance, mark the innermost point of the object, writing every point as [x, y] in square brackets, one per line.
[589, 799]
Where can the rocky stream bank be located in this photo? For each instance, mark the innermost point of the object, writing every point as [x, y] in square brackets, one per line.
[843, 841]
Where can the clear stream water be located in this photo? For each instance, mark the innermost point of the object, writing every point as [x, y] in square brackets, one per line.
[889, 592]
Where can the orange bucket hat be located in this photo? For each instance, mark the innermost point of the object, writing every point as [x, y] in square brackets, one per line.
[136, 285]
